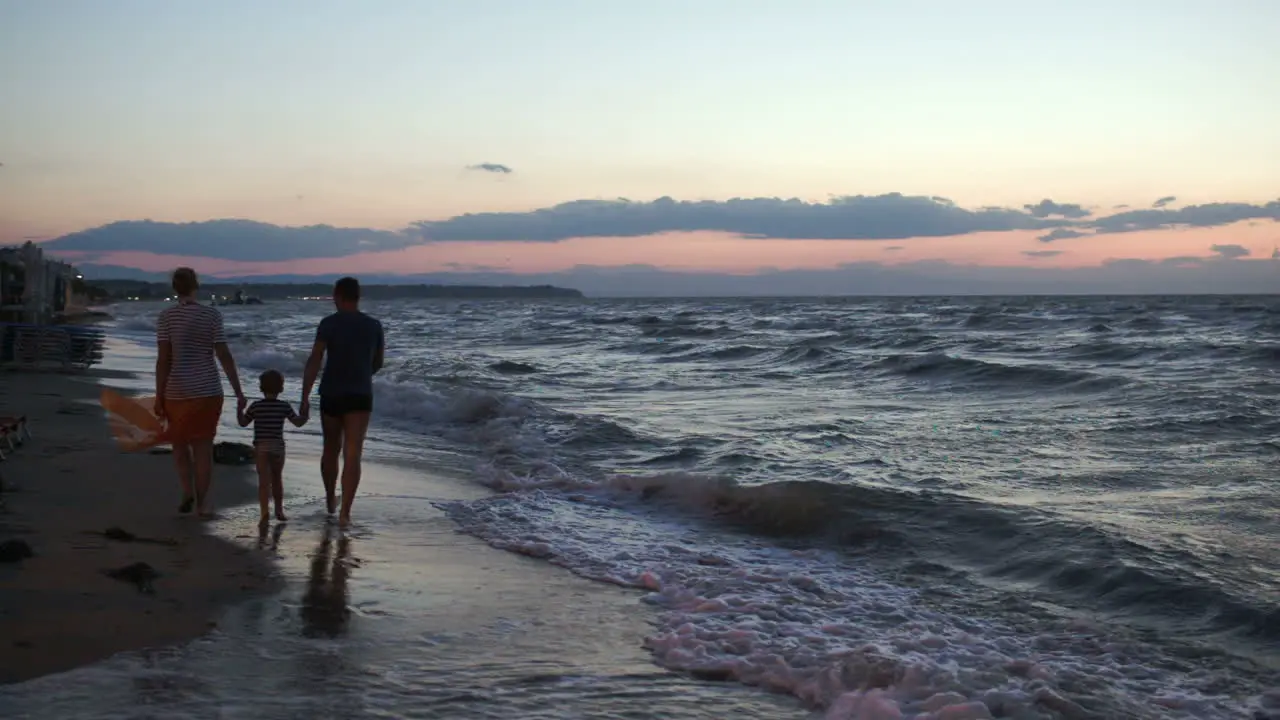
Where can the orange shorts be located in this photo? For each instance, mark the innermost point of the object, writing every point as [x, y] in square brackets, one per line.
[194, 419]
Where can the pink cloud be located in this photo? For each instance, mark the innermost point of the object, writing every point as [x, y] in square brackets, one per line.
[721, 252]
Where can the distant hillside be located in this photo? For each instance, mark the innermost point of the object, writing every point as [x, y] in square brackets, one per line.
[120, 289]
[94, 272]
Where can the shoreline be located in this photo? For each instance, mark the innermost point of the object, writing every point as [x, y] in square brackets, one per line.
[62, 489]
[401, 615]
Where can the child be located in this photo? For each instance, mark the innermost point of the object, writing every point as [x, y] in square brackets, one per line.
[268, 416]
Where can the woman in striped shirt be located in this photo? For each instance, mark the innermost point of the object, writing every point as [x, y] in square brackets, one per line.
[189, 336]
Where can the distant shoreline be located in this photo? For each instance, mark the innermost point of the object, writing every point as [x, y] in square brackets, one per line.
[144, 290]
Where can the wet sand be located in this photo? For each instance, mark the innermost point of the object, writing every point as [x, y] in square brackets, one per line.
[400, 616]
[58, 610]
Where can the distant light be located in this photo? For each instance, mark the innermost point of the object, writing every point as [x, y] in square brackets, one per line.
[79, 276]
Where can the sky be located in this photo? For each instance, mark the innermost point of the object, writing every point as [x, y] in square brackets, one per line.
[711, 136]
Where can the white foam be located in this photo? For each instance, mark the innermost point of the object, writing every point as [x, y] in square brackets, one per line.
[818, 625]
[815, 624]
[136, 323]
[289, 362]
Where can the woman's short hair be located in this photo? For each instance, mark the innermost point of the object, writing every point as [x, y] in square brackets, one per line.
[185, 281]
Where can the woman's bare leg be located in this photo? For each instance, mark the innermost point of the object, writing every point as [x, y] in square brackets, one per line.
[182, 462]
[202, 462]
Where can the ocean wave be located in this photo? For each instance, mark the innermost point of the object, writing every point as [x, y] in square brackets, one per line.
[1104, 351]
[904, 340]
[257, 357]
[830, 630]
[959, 369]
[681, 331]
[833, 522]
[1002, 321]
[694, 353]
[136, 323]
[1009, 544]
[1266, 354]
[655, 347]
[511, 367]
[737, 352]
[803, 355]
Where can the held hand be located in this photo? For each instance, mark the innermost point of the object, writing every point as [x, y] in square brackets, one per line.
[241, 402]
[304, 408]
[158, 408]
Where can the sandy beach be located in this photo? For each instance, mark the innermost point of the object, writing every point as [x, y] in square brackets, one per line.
[401, 615]
[58, 609]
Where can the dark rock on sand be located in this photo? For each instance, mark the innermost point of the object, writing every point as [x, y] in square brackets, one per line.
[12, 551]
[122, 535]
[117, 533]
[231, 453]
[139, 573]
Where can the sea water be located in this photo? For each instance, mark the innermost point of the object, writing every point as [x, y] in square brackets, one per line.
[840, 508]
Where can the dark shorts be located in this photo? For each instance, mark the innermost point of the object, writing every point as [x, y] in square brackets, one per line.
[339, 405]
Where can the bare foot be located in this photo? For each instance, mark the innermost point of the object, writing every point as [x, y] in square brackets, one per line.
[344, 521]
[263, 520]
[280, 516]
[331, 503]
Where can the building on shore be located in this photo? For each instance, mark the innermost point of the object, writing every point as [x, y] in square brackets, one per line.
[40, 300]
[36, 289]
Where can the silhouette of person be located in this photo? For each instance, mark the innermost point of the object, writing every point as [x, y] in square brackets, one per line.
[324, 603]
[354, 345]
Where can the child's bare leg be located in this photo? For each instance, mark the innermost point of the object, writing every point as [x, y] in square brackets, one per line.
[263, 461]
[277, 485]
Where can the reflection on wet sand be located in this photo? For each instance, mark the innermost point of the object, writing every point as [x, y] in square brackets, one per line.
[276, 531]
[325, 610]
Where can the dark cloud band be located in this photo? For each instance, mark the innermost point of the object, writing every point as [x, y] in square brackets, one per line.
[882, 217]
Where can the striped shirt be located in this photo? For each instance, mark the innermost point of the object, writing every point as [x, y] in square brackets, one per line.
[191, 329]
[268, 418]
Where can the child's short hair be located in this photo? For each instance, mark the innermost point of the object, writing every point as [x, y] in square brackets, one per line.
[271, 382]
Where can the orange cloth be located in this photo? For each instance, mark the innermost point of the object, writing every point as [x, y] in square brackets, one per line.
[132, 421]
[136, 427]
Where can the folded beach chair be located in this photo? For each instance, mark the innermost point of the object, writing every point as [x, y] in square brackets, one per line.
[62, 347]
[40, 346]
[14, 430]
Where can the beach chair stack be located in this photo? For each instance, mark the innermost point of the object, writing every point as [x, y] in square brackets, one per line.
[50, 347]
[14, 431]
